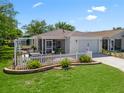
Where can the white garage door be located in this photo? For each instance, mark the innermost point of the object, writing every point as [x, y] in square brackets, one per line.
[92, 45]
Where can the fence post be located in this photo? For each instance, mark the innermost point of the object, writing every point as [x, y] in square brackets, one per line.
[89, 53]
[15, 53]
[60, 55]
[41, 59]
[52, 58]
[76, 56]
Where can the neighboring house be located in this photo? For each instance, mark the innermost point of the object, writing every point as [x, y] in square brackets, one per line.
[72, 42]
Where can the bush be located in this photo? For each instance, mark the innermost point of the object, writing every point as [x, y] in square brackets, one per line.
[85, 58]
[106, 52]
[6, 52]
[65, 63]
[33, 64]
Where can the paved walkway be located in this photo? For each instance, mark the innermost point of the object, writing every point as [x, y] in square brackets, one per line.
[109, 60]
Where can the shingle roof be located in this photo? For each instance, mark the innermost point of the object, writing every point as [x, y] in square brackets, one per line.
[65, 33]
[106, 33]
[58, 32]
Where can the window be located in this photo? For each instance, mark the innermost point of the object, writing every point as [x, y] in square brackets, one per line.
[49, 44]
[117, 44]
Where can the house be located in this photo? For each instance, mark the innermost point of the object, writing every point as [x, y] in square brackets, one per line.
[72, 42]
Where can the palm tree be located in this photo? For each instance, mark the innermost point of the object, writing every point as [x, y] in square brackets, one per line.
[36, 27]
[50, 28]
[64, 26]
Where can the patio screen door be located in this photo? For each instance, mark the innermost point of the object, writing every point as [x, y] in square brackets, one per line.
[49, 46]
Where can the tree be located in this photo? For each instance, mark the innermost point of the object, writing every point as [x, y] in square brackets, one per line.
[35, 27]
[118, 28]
[8, 23]
[64, 26]
[50, 28]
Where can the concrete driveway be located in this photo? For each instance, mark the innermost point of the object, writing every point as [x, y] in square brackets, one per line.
[109, 60]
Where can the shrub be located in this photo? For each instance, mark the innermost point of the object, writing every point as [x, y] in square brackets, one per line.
[6, 52]
[65, 63]
[85, 58]
[33, 64]
[59, 50]
[106, 52]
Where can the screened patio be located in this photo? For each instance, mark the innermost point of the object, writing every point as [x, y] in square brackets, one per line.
[55, 44]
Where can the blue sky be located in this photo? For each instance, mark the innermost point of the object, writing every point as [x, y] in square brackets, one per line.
[85, 15]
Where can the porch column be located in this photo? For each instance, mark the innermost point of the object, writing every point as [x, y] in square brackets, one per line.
[45, 45]
[108, 44]
[42, 46]
[36, 43]
[77, 46]
[113, 44]
[100, 45]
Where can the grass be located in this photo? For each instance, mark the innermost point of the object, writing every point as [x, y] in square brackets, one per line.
[81, 79]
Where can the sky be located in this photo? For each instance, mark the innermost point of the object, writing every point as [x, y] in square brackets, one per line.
[85, 15]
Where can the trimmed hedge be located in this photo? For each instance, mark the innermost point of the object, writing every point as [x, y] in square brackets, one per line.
[6, 52]
[85, 58]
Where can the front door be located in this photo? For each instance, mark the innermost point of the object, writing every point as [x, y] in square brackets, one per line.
[49, 46]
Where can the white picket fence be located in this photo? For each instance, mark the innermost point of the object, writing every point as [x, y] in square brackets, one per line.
[50, 59]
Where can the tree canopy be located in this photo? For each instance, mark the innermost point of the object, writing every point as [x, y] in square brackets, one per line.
[64, 26]
[37, 27]
[8, 23]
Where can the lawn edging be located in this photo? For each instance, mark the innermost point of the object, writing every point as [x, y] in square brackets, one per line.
[41, 69]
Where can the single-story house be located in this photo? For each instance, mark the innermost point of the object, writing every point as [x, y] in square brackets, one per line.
[74, 41]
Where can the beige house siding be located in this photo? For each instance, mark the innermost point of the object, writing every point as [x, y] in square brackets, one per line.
[73, 45]
[81, 45]
[100, 45]
[67, 45]
[122, 46]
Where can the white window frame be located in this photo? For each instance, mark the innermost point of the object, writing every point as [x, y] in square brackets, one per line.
[46, 48]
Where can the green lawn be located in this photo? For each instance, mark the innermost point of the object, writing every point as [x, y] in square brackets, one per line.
[81, 79]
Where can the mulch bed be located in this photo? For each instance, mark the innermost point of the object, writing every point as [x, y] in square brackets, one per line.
[43, 68]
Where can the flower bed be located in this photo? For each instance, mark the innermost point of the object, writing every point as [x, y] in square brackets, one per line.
[43, 68]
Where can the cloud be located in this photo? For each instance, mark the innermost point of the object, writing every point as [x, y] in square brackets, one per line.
[99, 8]
[89, 11]
[91, 17]
[37, 4]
